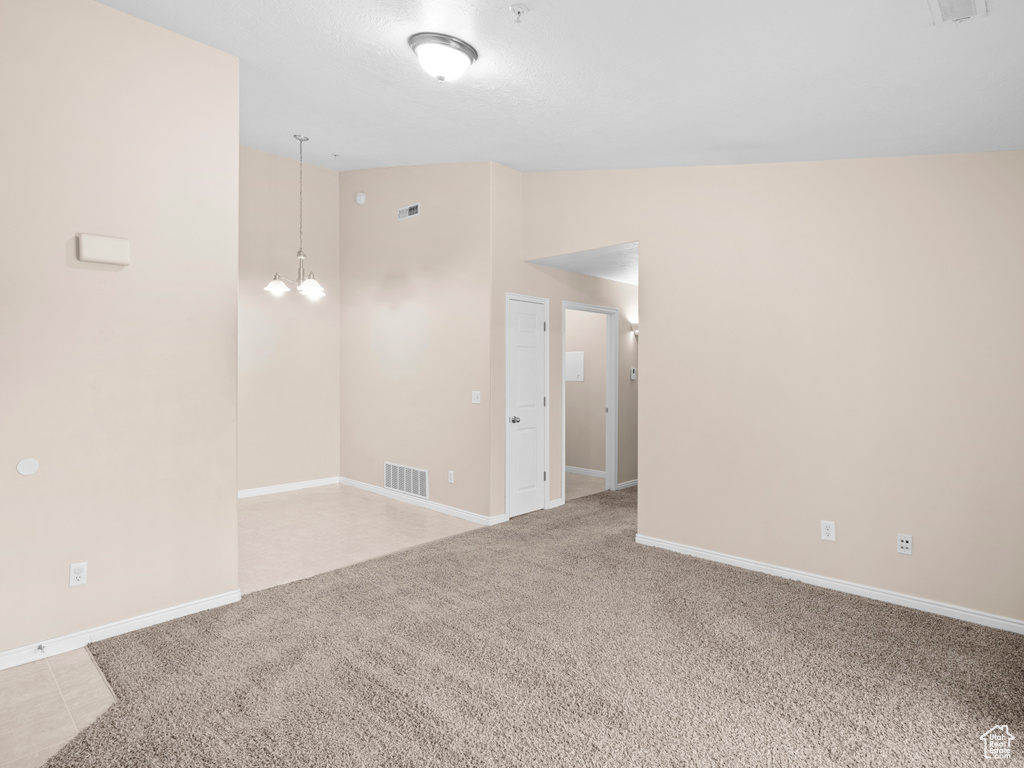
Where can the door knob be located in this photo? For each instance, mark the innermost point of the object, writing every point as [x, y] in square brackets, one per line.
[514, 419]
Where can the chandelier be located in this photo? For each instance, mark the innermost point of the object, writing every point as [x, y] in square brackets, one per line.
[307, 285]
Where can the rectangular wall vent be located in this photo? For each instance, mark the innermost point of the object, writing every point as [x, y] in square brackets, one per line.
[409, 211]
[406, 480]
[947, 11]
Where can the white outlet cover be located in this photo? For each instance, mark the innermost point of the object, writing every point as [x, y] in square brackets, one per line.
[904, 548]
[828, 530]
[475, 396]
[78, 574]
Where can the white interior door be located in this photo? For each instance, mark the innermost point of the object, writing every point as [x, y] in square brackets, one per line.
[526, 405]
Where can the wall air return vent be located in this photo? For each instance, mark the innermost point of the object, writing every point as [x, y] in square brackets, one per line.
[406, 480]
[949, 11]
[409, 211]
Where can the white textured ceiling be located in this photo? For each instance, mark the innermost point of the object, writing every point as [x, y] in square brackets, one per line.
[613, 262]
[584, 84]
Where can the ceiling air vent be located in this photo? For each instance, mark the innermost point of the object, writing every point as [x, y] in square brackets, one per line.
[949, 11]
[406, 479]
[409, 211]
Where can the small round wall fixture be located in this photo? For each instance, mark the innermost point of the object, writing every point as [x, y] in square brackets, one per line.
[442, 56]
[27, 466]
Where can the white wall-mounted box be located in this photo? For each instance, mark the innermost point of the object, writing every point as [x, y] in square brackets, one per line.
[100, 249]
[574, 366]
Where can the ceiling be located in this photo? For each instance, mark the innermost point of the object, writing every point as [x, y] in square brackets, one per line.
[613, 262]
[587, 84]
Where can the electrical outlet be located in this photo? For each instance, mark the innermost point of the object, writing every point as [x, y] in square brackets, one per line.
[904, 544]
[475, 397]
[77, 574]
[451, 475]
[828, 530]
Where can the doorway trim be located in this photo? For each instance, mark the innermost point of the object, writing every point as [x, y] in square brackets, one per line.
[611, 390]
[509, 297]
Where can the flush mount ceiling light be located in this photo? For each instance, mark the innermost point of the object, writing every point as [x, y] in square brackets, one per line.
[307, 286]
[442, 56]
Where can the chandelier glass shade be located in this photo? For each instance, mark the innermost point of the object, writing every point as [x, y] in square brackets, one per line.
[277, 286]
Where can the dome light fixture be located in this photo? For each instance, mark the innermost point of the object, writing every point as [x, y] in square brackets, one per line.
[442, 56]
[308, 286]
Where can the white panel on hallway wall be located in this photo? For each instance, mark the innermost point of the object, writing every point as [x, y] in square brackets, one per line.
[574, 366]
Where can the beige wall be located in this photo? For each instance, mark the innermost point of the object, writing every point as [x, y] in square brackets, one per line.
[513, 275]
[416, 299]
[289, 371]
[414, 317]
[830, 340]
[585, 422]
[119, 380]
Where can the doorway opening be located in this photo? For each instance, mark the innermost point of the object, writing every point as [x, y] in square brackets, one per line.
[590, 399]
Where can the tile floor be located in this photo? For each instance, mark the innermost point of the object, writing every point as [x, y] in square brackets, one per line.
[45, 703]
[581, 485]
[281, 538]
[288, 536]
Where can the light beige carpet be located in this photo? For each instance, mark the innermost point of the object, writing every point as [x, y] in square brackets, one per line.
[554, 640]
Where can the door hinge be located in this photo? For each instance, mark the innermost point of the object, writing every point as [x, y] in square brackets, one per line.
[606, 410]
[545, 475]
[545, 325]
[545, 401]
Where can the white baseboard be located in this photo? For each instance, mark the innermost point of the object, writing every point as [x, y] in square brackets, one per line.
[627, 484]
[284, 487]
[396, 495]
[583, 471]
[554, 503]
[36, 651]
[473, 517]
[882, 595]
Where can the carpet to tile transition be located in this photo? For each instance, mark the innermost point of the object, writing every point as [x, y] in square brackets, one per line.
[554, 640]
